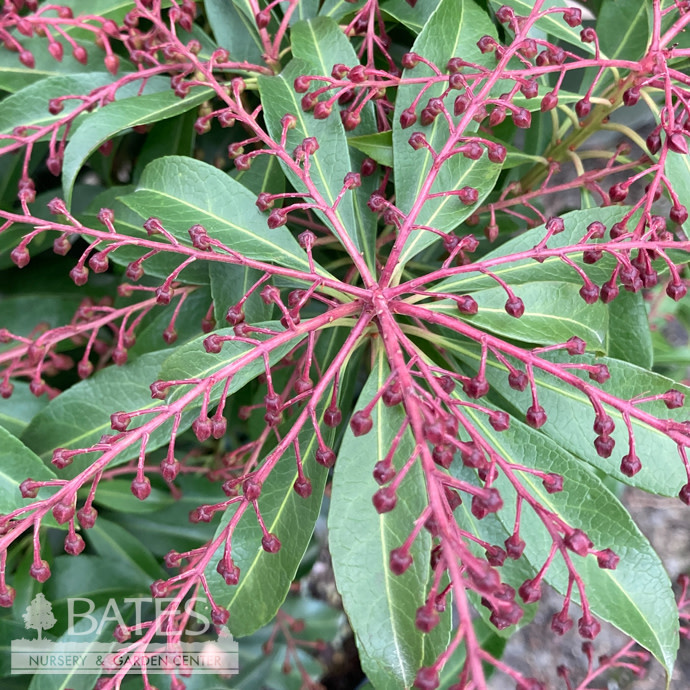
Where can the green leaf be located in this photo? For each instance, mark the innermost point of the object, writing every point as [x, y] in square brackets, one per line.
[76, 679]
[182, 192]
[340, 8]
[636, 597]
[116, 494]
[108, 9]
[266, 578]
[229, 284]
[322, 42]
[170, 528]
[571, 416]
[554, 312]
[127, 222]
[23, 313]
[451, 31]
[551, 23]
[113, 541]
[234, 31]
[264, 175]
[15, 77]
[17, 463]
[191, 361]
[330, 163]
[16, 412]
[29, 106]
[98, 578]
[381, 606]
[414, 18]
[187, 323]
[678, 171]
[377, 146]
[306, 9]
[629, 336]
[624, 27]
[552, 268]
[117, 117]
[79, 416]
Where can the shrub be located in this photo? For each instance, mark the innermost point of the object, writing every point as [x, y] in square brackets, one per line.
[399, 255]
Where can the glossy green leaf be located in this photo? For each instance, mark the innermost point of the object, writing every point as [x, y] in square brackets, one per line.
[264, 175]
[79, 416]
[678, 171]
[414, 18]
[127, 222]
[637, 596]
[229, 284]
[182, 192]
[554, 312]
[117, 117]
[322, 42]
[191, 361]
[187, 323]
[265, 578]
[23, 313]
[330, 163]
[169, 528]
[552, 268]
[306, 9]
[17, 411]
[340, 8]
[116, 494]
[381, 606]
[377, 146]
[629, 336]
[29, 106]
[551, 23]
[110, 540]
[76, 679]
[17, 463]
[15, 77]
[449, 32]
[95, 577]
[571, 416]
[624, 27]
[234, 31]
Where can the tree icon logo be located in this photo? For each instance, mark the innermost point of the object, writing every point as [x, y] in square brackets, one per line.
[39, 615]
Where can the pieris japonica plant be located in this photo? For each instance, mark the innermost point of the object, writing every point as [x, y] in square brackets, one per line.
[381, 265]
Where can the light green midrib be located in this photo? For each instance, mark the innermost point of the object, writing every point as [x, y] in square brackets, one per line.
[94, 431]
[346, 201]
[632, 25]
[359, 220]
[381, 453]
[290, 496]
[543, 383]
[253, 236]
[500, 270]
[544, 498]
[445, 309]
